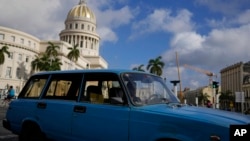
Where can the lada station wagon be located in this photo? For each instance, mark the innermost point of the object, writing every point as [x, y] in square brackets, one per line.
[111, 105]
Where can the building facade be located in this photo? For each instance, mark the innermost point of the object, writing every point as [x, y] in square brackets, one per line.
[192, 96]
[80, 28]
[235, 78]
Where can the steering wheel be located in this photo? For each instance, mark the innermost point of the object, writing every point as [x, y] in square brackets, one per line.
[156, 98]
[153, 98]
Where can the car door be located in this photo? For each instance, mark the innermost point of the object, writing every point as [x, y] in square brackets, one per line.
[24, 108]
[54, 110]
[100, 120]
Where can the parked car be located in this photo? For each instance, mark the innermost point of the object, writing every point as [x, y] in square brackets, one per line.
[111, 105]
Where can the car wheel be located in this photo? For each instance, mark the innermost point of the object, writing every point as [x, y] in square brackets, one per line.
[31, 132]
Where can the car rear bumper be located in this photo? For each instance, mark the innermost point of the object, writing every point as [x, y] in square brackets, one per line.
[6, 124]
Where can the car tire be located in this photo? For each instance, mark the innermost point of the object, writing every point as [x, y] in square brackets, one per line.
[31, 132]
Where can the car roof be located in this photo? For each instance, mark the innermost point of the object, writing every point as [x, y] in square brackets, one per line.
[117, 71]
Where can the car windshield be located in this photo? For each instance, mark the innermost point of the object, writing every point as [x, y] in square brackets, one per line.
[148, 89]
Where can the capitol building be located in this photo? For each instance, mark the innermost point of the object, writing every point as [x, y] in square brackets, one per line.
[80, 28]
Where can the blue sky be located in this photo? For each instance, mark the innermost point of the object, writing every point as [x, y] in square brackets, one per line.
[207, 34]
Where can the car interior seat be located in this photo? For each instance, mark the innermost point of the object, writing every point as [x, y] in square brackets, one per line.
[116, 93]
[94, 94]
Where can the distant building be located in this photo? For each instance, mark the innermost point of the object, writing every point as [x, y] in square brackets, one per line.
[80, 28]
[235, 78]
[191, 95]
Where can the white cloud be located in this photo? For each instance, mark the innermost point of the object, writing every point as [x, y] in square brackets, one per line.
[214, 51]
[115, 18]
[186, 42]
[228, 7]
[110, 19]
[163, 20]
[33, 16]
[45, 18]
[107, 34]
[244, 18]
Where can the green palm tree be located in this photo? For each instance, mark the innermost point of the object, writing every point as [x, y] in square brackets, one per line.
[139, 68]
[44, 63]
[3, 50]
[36, 63]
[74, 53]
[52, 50]
[155, 66]
[56, 65]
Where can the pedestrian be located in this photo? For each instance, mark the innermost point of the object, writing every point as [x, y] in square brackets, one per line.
[209, 104]
[11, 94]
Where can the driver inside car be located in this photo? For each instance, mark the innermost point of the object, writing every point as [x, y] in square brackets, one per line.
[132, 91]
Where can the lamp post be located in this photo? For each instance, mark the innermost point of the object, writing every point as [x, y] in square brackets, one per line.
[175, 82]
[185, 100]
[196, 99]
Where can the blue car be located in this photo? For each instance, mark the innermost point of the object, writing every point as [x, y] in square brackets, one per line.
[111, 105]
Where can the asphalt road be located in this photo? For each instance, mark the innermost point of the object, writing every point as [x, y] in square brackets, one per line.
[5, 135]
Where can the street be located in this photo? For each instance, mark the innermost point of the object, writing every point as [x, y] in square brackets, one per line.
[5, 135]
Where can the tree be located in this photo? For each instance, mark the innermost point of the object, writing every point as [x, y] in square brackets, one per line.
[36, 64]
[74, 53]
[155, 66]
[203, 98]
[52, 50]
[56, 65]
[3, 51]
[48, 61]
[139, 68]
[225, 99]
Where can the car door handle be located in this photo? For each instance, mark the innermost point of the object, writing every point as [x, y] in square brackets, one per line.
[41, 105]
[80, 109]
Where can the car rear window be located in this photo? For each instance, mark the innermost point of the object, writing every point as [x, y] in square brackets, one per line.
[34, 87]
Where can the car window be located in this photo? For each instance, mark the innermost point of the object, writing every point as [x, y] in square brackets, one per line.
[147, 89]
[63, 86]
[34, 87]
[103, 88]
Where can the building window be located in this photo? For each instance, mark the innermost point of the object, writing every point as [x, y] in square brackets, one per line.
[13, 38]
[20, 57]
[29, 42]
[34, 45]
[18, 73]
[10, 56]
[92, 28]
[88, 27]
[82, 26]
[70, 26]
[76, 26]
[1, 36]
[27, 59]
[8, 72]
[22, 41]
[81, 43]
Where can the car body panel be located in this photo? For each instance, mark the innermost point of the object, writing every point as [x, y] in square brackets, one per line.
[57, 114]
[101, 123]
[150, 114]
